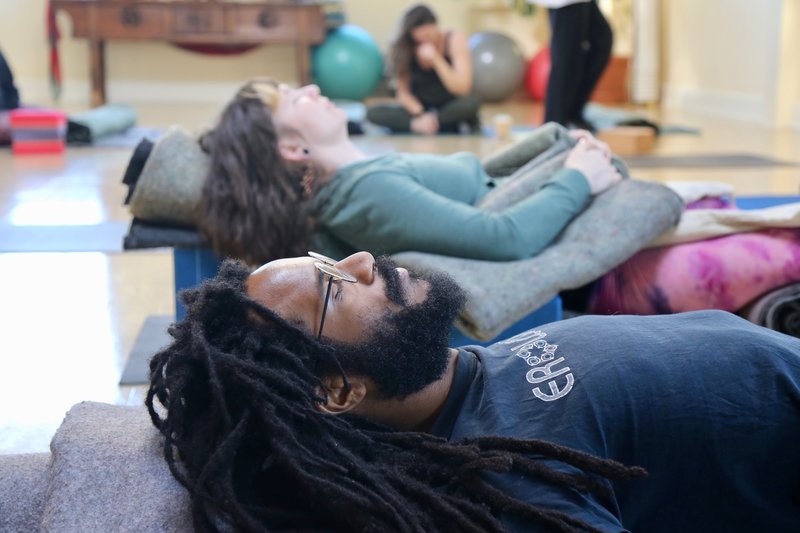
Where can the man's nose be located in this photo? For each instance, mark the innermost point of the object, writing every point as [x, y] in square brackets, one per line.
[360, 265]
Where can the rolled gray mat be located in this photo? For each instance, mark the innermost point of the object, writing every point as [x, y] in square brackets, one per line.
[170, 186]
[89, 126]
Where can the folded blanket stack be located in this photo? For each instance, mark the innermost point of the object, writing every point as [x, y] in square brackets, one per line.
[37, 131]
[778, 310]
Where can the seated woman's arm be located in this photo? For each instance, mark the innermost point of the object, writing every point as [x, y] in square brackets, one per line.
[406, 98]
[388, 213]
[457, 78]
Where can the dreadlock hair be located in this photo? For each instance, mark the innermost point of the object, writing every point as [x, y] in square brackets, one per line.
[253, 203]
[238, 390]
[402, 48]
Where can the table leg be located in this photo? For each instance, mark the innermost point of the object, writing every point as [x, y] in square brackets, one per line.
[97, 67]
[303, 63]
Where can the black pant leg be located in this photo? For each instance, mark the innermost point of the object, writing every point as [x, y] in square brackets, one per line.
[460, 109]
[9, 97]
[393, 116]
[569, 26]
[600, 40]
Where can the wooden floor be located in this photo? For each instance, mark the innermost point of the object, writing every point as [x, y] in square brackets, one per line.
[69, 320]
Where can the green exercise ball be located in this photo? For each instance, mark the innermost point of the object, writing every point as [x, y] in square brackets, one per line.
[348, 65]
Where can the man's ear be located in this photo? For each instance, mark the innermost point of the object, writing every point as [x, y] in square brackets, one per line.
[340, 399]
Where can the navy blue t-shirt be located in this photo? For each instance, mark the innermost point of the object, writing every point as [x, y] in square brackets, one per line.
[707, 402]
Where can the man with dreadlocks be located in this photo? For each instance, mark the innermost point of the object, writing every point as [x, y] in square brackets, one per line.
[315, 395]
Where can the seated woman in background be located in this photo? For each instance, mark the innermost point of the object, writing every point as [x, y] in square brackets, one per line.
[284, 172]
[433, 72]
[9, 100]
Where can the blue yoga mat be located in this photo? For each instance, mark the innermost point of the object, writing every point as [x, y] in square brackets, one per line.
[760, 202]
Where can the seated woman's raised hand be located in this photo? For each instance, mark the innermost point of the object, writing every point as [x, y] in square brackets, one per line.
[426, 54]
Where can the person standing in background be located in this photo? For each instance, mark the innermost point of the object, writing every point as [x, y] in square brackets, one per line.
[580, 48]
[433, 72]
[9, 100]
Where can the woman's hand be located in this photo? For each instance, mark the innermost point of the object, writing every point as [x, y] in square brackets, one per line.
[591, 139]
[426, 54]
[592, 158]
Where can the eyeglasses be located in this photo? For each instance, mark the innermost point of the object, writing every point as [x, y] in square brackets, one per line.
[326, 265]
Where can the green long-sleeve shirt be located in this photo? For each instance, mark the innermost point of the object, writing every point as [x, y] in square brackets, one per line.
[399, 202]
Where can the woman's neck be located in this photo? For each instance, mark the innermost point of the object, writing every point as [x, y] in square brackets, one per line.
[330, 158]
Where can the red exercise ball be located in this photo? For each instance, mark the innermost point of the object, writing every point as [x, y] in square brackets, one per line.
[537, 73]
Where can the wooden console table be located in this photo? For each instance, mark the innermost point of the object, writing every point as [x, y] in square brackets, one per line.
[207, 22]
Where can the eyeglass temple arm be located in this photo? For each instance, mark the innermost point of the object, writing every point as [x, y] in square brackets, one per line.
[319, 333]
[325, 308]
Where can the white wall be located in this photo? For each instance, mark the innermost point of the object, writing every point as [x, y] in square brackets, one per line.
[729, 57]
[136, 70]
[156, 71]
[796, 121]
[794, 60]
[786, 77]
[146, 71]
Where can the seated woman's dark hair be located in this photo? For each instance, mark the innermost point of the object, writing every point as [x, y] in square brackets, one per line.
[238, 390]
[402, 49]
[253, 206]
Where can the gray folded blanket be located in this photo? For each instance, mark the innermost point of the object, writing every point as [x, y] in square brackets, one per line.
[778, 309]
[108, 473]
[616, 224]
[23, 485]
[170, 186]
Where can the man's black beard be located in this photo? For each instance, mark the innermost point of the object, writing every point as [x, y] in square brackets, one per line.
[407, 350]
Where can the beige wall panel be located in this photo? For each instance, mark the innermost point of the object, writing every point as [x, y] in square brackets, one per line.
[719, 45]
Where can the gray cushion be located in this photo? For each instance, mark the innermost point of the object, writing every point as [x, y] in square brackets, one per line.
[615, 226]
[170, 187]
[23, 482]
[108, 474]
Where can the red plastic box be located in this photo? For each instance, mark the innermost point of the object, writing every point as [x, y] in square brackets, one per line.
[38, 131]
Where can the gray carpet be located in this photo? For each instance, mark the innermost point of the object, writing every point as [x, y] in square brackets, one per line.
[152, 337]
[704, 161]
[106, 237]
